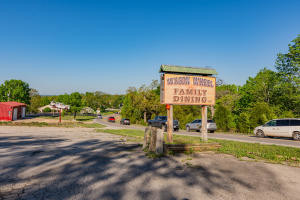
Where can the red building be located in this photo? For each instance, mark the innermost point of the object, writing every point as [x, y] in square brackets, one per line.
[10, 111]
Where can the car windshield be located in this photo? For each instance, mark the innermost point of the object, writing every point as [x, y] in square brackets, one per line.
[271, 123]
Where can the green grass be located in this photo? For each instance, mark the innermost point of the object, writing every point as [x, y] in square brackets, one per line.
[70, 117]
[271, 153]
[138, 134]
[45, 124]
[93, 125]
[268, 153]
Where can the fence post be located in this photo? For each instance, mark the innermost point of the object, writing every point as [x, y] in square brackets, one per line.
[153, 139]
[159, 142]
[146, 137]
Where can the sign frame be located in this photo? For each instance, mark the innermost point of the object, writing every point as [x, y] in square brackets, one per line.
[163, 89]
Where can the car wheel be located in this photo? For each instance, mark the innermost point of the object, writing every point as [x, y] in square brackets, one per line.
[188, 129]
[260, 133]
[296, 136]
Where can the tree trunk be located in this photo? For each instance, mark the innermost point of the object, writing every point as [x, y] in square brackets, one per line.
[75, 115]
[145, 117]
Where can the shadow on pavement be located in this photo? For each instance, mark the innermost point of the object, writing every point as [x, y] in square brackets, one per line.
[46, 168]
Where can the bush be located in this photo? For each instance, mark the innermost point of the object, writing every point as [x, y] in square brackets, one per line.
[224, 118]
[47, 110]
[243, 123]
[260, 114]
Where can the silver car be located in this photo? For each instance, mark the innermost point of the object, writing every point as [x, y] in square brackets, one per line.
[196, 125]
[289, 127]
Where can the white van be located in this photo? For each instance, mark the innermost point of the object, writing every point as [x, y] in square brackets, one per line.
[280, 128]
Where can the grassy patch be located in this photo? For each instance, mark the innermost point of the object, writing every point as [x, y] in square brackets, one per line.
[138, 134]
[93, 125]
[45, 124]
[233, 133]
[70, 117]
[269, 153]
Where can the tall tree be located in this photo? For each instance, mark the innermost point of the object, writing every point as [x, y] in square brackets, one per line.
[288, 67]
[35, 101]
[15, 90]
[75, 100]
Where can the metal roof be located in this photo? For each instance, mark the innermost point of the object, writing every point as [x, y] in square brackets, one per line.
[12, 103]
[187, 70]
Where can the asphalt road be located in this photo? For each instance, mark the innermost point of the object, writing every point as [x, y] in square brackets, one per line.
[78, 163]
[225, 136]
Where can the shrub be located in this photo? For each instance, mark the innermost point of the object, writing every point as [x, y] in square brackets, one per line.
[243, 123]
[224, 118]
[47, 110]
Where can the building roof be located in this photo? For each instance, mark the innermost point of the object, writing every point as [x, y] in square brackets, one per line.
[187, 70]
[12, 103]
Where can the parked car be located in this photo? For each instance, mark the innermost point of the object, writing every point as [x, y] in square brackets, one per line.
[161, 122]
[125, 121]
[99, 116]
[280, 128]
[111, 119]
[196, 125]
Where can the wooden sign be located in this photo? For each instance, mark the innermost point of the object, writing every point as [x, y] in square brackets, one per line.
[187, 89]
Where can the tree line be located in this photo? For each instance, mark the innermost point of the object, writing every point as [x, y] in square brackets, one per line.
[270, 94]
[18, 90]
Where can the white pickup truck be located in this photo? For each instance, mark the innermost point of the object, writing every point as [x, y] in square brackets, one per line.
[280, 128]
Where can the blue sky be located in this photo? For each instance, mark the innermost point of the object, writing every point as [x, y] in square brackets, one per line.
[65, 46]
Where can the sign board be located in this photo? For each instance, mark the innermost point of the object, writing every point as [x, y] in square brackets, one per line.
[180, 89]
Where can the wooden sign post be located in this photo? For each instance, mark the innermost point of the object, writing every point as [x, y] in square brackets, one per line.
[187, 86]
[204, 123]
[170, 123]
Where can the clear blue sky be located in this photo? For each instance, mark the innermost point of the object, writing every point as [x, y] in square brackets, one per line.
[62, 46]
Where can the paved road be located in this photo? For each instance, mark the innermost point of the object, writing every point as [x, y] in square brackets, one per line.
[225, 136]
[78, 163]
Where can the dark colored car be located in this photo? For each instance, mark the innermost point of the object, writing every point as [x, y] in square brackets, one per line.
[111, 119]
[161, 122]
[125, 121]
[99, 116]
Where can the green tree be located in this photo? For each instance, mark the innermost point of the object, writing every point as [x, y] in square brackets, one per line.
[243, 123]
[75, 101]
[35, 101]
[15, 90]
[288, 67]
[260, 114]
[223, 118]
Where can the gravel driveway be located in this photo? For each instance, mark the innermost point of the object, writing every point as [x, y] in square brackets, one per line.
[78, 163]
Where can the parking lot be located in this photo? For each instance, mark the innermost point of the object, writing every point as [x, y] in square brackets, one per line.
[78, 163]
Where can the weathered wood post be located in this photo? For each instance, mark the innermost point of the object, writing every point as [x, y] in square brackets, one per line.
[146, 137]
[204, 123]
[153, 139]
[212, 108]
[170, 123]
[159, 142]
